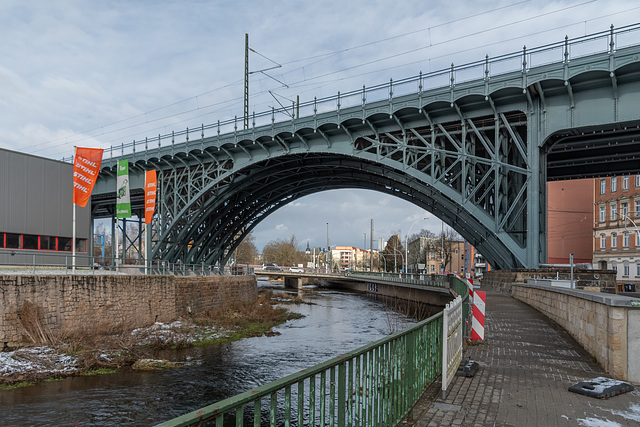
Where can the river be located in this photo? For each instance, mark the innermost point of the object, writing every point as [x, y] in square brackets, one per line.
[335, 322]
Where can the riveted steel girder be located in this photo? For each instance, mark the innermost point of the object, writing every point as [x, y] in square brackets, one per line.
[476, 153]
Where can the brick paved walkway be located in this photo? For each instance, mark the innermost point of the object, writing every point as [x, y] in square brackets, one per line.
[527, 364]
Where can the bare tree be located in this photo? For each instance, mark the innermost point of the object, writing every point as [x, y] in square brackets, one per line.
[447, 240]
[419, 253]
[283, 252]
[246, 252]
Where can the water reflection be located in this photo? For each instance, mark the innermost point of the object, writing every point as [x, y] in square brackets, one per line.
[334, 323]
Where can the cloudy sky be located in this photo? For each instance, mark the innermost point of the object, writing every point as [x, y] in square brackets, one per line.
[103, 73]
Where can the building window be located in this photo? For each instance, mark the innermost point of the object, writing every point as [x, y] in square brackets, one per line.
[638, 268]
[624, 210]
[603, 241]
[47, 243]
[638, 207]
[637, 239]
[12, 241]
[637, 180]
[1, 240]
[29, 241]
[64, 244]
[614, 184]
[625, 271]
[603, 213]
[625, 239]
[603, 186]
[614, 266]
[614, 240]
[81, 245]
[614, 212]
[625, 182]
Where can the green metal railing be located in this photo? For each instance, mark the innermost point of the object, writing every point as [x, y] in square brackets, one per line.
[375, 385]
[435, 280]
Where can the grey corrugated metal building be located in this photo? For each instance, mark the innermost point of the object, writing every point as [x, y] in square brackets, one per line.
[36, 211]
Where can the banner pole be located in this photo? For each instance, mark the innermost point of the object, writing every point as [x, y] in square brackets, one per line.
[116, 251]
[73, 233]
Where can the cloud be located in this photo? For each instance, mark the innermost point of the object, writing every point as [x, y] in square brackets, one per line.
[105, 73]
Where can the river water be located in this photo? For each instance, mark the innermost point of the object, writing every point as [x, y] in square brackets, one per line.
[335, 322]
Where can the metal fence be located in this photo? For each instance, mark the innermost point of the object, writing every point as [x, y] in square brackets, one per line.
[38, 262]
[436, 280]
[372, 386]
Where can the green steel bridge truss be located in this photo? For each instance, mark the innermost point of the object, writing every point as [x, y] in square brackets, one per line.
[474, 145]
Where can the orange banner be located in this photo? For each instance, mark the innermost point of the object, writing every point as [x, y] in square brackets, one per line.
[86, 166]
[150, 182]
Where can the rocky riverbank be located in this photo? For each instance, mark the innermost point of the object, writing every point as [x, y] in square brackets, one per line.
[105, 351]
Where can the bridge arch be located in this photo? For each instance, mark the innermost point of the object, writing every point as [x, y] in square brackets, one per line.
[432, 167]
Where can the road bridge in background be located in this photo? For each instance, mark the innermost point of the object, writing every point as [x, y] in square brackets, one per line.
[474, 145]
[431, 289]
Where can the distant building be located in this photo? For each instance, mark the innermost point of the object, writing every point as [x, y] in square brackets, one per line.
[474, 263]
[616, 234]
[36, 212]
[427, 256]
[570, 221]
[350, 257]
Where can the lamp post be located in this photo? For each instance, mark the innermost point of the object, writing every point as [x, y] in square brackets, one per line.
[406, 245]
[395, 251]
[328, 246]
[364, 250]
[380, 254]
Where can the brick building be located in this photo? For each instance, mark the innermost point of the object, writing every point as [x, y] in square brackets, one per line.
[616, 234]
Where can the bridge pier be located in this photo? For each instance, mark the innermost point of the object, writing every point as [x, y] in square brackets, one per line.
[293, 282]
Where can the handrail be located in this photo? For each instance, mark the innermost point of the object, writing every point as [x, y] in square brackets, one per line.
[557, 52]
[376, 384]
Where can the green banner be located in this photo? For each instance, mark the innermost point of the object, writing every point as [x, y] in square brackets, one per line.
[123, 202]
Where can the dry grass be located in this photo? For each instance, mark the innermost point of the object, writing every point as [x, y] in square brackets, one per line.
[249, 318]
[30, 316]
[104, 345]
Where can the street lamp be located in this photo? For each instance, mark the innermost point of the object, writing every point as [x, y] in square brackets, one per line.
[406, 245]
[380, 254]
[364, 250]
[395, 266]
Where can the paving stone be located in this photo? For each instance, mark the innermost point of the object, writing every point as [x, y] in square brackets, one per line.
[527, 363]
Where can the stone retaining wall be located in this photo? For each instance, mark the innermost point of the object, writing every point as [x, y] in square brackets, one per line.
[607, 326]
[76, 304]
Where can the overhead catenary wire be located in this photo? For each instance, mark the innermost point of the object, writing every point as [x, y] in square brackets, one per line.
[305, 81]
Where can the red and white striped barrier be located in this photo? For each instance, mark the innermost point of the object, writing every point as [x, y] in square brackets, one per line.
[477, 323]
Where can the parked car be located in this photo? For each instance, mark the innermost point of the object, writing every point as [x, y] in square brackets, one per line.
[271, 267]
[296, 270]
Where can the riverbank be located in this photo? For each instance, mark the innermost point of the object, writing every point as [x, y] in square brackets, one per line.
[105, 351]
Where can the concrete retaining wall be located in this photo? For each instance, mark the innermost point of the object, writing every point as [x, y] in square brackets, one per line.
[72, 304]
[607, 326]
[501, 280]
[423, 294]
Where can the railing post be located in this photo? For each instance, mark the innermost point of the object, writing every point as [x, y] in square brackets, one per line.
[611, 42]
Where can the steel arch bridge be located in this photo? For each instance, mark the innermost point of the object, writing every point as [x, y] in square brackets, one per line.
[474, 145]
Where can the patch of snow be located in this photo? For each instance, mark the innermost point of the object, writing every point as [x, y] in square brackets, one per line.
[36, 360]
[594, 422]
[632, 414]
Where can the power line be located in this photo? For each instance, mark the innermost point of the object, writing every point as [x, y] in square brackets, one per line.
[306, 80]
